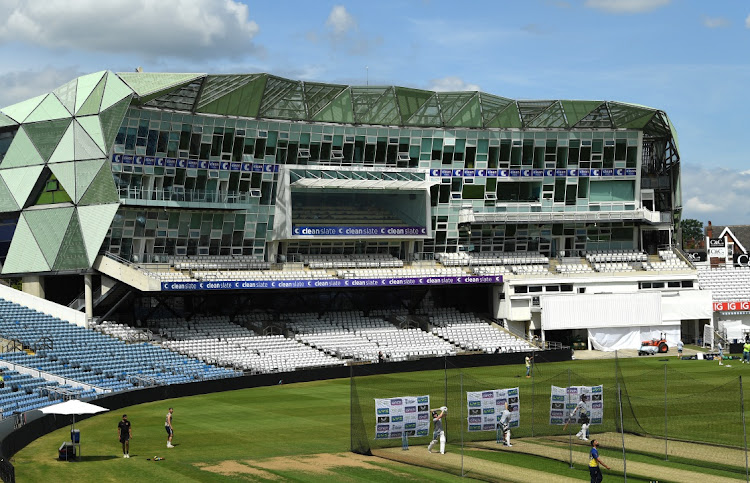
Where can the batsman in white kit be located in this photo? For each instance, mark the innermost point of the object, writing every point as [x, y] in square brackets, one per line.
[505, 424]
[438, 433]
[583, 410]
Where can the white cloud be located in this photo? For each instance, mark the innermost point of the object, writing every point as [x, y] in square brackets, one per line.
[626, 6]
[166, 28]
[715, 22]
[700, 206]
[747, 22]
[340, 21]
[717, 194]
[18, 86]
[451, 83]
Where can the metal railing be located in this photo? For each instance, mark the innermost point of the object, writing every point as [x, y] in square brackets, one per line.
[188, 195]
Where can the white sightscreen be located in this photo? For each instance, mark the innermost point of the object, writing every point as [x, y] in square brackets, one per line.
[583, 311]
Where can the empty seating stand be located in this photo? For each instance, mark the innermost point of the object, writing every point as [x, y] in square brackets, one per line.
[727, 284]
[93, 358]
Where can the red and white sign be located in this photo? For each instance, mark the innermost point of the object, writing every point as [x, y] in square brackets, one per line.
[730, 306]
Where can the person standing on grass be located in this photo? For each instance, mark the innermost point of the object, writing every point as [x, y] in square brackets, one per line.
[746, 352]
[721, 355]
[594, 462]
[583, 410]
[680, 345]
[125, 433]
[528, 366]
[505, 424]
[438, 434]
[168, 427]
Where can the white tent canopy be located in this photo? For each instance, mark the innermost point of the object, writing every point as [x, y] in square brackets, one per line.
[615, 338]
[73, 406]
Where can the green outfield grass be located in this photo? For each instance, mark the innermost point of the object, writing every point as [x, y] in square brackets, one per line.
[297, 431]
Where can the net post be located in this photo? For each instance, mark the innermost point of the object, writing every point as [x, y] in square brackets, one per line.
[744, 429]
[445, 371]
[533, 387]
[351, 408]
[461, 385]
[666, 434]
[570, 435]
[622, 432]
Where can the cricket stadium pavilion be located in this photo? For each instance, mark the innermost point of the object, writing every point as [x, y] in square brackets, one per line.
[162, 183]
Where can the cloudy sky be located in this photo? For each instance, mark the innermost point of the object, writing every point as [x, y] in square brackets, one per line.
[687, 57]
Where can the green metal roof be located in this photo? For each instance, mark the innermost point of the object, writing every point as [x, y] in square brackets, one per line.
[271, 97]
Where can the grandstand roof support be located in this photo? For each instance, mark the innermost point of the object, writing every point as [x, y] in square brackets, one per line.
[160, 303]
[122, 300]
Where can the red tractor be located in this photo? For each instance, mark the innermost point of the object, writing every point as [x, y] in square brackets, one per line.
[654, 346]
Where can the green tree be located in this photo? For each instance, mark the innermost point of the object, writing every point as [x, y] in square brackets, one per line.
[692, 232]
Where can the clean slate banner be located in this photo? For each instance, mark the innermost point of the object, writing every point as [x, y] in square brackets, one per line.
[327, 283]
[194, 163]
[564, 400]
[486, 408]
[398, 415]
[534, 173]
[358, 230]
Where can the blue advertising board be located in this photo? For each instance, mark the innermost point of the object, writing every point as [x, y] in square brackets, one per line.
[328, 283]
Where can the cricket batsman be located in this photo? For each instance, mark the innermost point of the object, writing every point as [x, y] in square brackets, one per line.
[438, 433]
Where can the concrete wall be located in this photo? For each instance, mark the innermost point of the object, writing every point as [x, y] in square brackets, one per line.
[44, 306]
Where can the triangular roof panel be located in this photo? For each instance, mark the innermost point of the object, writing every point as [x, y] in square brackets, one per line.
[629, 116]
[492, 106]
[65, 150]
[217, 86]
[92, 104]
[146, 83]
[21, 152]
[95, 222]
[48, 226]
[49, 109]
[21, 110]
[375, 105]
[66, 93]
[7, 202]
[552, 117]
[232, 95]
[86, 85]
[6, 121]
[111, 120]
[66, 178]
[94, 129]
[24, 254]
[283, 99]
[181, 98]
[102, 188]
[596, 118]
[577, 110]
[72, 254]
[115, 91]
[451, 103]
[85, 173]
[338, 110]
[46, 135]
[428, 114]
[470, 115]
[507, 118]
[410, 100]
[21, 181]
[317, 96]
[531, 109]
[85, 147]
